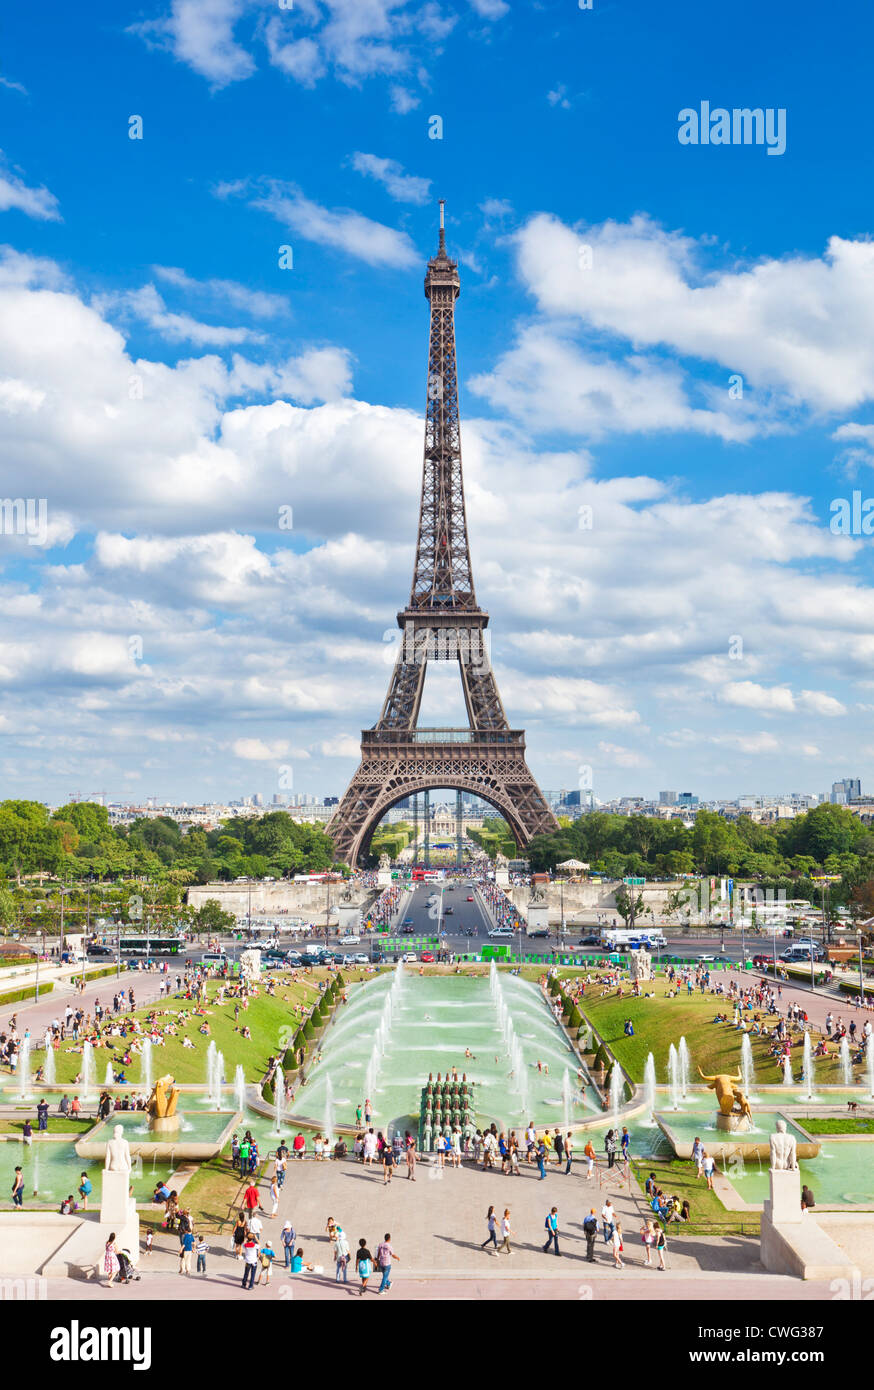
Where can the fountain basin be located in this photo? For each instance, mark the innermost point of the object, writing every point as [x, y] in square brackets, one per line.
[196, 1135]
[733, 1123]
[680, 1132]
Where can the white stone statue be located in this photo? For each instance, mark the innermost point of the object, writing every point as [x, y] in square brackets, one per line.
[539, 895]
[501, 861]
[384, 861]
[250, 965]
[118, 1152]
[783, 1149]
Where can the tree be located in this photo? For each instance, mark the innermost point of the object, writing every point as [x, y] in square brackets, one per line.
[628, 904]
[212, 918]
[7, 909]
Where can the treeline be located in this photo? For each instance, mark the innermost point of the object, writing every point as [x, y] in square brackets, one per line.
[826, 840]
[76, 842]
[494, 837]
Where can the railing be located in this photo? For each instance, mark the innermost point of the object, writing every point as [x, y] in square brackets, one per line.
[419, 736]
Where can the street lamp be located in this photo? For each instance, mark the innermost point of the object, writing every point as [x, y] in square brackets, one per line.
[861, 973]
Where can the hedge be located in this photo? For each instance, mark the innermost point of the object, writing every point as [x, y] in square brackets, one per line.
[17, 995]
[309, 1029]
[553, 985]
[602, 1058]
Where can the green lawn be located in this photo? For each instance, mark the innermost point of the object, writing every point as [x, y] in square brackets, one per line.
[269, 1019]
[851, 1124]
[660, 1021]
[677, 1178]
[213, 1196]
[58, 1124]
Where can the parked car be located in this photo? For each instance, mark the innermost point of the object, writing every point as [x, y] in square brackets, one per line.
[362, 958]
[409, 958]
[99, 951]
[350, 941]
[427, 957]
[589, 941]
[273, 960]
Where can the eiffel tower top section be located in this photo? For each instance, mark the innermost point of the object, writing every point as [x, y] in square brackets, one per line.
[442, 578]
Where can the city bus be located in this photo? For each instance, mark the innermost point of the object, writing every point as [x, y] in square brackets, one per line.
[150, 945]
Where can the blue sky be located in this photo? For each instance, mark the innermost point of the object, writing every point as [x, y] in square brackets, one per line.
[155, 261]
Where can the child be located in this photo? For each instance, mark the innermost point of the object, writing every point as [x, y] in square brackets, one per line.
[201, 1248]
[297, 1264]
[266, 1257]
[149, 1239]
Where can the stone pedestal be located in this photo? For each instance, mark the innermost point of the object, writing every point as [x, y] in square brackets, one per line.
[383, 878]
[537, 915]
[502, 878]
[164, 1124]
[784, 1207]
[733, 1124]
[118, 1213]
[349, 919]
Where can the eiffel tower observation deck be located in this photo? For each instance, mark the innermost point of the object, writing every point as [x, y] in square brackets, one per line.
[441, 622]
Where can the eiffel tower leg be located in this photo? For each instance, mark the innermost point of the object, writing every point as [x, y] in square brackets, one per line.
[427, 824]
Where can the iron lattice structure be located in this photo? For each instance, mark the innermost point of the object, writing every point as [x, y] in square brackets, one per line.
[441, 623]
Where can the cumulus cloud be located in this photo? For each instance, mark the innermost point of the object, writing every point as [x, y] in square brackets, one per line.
[800, 326]
[343, 229]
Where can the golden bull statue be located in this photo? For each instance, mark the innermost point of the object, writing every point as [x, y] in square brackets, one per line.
[162, 1103]
[731, 1098]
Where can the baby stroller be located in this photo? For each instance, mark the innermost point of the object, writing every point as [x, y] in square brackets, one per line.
[126, 1272]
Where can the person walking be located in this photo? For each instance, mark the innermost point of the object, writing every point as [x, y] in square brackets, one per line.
[661, 1247]
[506, 1232]
[492, 1237]
[647, 1236]
[610, 1147]
[266, 1256]
[274, 1193]
[568, 1152]
[589, 1152]
[558, 1146]
[363, 1265]
[238, 1235]
[341, 1255]
[186, 1245]
[388, 1163]
[617, 1246]
[590, 1231]
[250, 1260]
[551, 1226]
[110, 1260]
[18, 1189]
[709, 1168]
[608, 1218]
[385, 1257]
[541, 1159]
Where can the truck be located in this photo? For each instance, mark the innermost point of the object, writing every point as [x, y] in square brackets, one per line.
[632, 939]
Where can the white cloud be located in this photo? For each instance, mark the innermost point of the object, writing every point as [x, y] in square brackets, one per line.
[403, 100]
[343, 229]
[404, 188]
[147, 304]
[256, 750]
[343, 746]
[256, 302]
[15, 194]
[490, 9]
[818, 702]
[751, 696]
[200, 33]
[800, 326]
[559, 97]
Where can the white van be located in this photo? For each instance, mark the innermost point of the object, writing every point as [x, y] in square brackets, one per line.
[214, 958]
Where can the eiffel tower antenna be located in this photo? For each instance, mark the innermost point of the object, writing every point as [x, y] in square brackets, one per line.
[442, 622]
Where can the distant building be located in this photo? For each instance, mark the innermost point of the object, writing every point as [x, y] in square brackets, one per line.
[667, 798]
[845, 790]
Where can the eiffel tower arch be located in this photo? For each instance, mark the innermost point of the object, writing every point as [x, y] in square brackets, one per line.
[442, 622]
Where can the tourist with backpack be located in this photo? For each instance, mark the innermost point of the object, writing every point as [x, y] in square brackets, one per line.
[551, 1227]
[363, 1264]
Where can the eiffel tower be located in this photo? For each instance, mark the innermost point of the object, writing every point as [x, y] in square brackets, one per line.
[442, 622]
